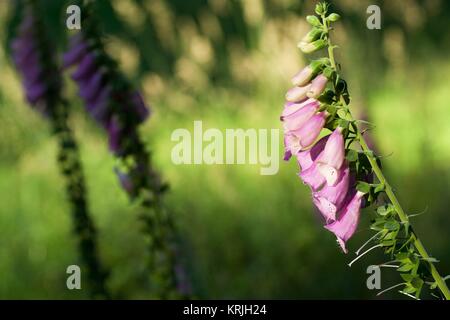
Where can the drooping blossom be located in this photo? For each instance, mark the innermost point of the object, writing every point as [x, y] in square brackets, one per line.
[332, 158]
[38, 81]
[346, 225]
[322, 163]
[117, 110]
[317, 86]
[330, 198]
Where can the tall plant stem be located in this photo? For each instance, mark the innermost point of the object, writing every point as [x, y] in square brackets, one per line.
[84, 227]
[388, 189]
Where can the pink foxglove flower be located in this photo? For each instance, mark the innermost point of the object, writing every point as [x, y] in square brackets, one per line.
[298, 118]
[331, 198]
[297, 94]
[308, 133]
[307, 157]
[303, 76]
[312, 177]
[300, 139]
[317, 86]
[332, 158]
[347, 222]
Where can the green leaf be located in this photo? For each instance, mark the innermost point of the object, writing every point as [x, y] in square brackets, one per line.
[384, 210]
[406, 276]
[392, 225]
[388, 243]
[362, 186]
[417, 283]
[352, 155]
[409, 289]
[405, 267]
[379, 187]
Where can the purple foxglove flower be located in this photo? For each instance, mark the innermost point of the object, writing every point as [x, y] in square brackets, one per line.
[307, 157]
[90, 87]
[297, 119]
[330, 199]
[35, 92]
[28, 62]
[308, 133]
[297, 94]
[348, 220]
[139, 107]
[76, 52]
[86, 67]
[312, 177]
[332, 158]
[303, 76]
[317, 86]
[115, 134]
[99, 108]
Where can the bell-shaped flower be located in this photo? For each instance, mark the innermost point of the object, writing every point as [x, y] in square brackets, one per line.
[86, 67]
[332, 158]
[317, 86]
[297, 119]
[308, 133]
[77, 49]
[297, 94]
[312, 177]
[303, 76]
[330, 199]
[307, 157]
[346, 225]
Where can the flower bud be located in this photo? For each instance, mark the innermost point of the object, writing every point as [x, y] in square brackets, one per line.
[313, 20]
[317, 86]
[297, 94]
[333, 17]
[303, 76]
[311, 36]
[313, 46]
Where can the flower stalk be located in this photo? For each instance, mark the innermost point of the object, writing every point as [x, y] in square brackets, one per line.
[394, 232]
[42, 82]
[120, 109]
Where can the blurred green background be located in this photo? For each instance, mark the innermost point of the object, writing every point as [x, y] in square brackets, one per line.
[229, 63]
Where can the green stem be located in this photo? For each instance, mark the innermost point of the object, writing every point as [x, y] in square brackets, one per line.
[388, 189]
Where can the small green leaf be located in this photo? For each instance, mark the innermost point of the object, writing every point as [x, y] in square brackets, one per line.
[379, 187]
[352, 155]
[409, 289]
[392, 225]
[406, 276]
[362, 186]
[405, 267]
[417, 283]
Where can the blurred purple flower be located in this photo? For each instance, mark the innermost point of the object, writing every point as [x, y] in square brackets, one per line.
[113, 109]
